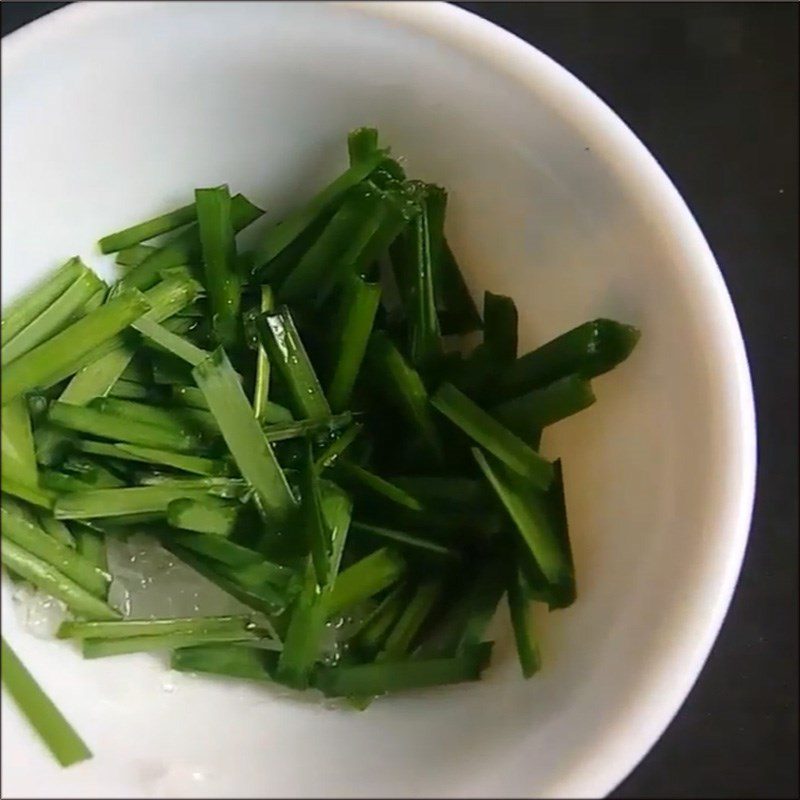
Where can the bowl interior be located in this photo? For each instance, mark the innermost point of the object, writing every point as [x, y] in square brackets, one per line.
[114, 112]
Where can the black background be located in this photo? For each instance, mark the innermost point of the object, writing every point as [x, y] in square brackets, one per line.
[712, 90]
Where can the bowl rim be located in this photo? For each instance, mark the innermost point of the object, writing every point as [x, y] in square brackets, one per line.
[640, 724]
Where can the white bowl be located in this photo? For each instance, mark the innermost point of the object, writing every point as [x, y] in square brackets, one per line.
[112, 112]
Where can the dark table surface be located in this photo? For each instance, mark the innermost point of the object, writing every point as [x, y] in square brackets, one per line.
[712, 90]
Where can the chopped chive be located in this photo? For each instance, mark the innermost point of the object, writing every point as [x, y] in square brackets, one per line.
[217, 237]
[16, 442]
[382, 677]
[362, 478]
[361, 144]
[148, 230]
[365, 578]
[101, 648]
[133, 256]
[280, 237]
[38, 366]
[500, 326]
[527, 414]
[402, 386]
[35, 495]
[358, 306]
[32, 302]
[232, 662]
[489, 433]
[261, 391]
[57, 734]
[123, 629]
[121, 429]
[588, 350]
[216, 547]
[176, 345]
[400, 537]
[197, 465]
[47, 578]
[278, 335]
[458, 313]
[313, 521]
[180, 421]
[265, 598]
[119, 502]
[185, 248]
[376, 626]
[130, 390]
[281, 431]
[212, 515]
[330, 455]
[64, 310]
[248, 445]
[97, 377]
[519, 609]
[56, 528]
[65, 559]
[414, 615]
[527, 508]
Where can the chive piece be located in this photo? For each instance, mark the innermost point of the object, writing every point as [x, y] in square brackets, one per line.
[130, 390]
[589, 350]
[527, 414]
[279, 432]
[63, 311]
[313, 522]
[55, 528]
[489, 433]
[330, 455]
[376, 627]
[337, 510]
[217, 548]
[211, 515]
[365, 578]
[58, 735]
[248, 445]
[312, 271]
[402, 386]
[92, 546]
[37, 367]
[47, 578]
[16, 442]
[414, 615]
[519, 610]
[382, 677]
[217, 237]
[124, 629]
[359, 304]
[101, 648]
[264, 598]
[65, 559]
[119, 502]
[176, 345]
[180, 421]
[412, 260]
[301, 645]
[466, 619]
[128, 452]
[500, 326]
[34, 495]
[27, 307]
[361, 144]
[148, 229]
[360, 477]
[96, 377]
[185, 248]
[280, 237]
[189, 396]
[278, 335]
[233, 662]
[110, 426]
[133, 256]
[399, 537]
[528, 510]
[261, 391]
[231, 488]
[458, 313]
